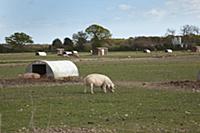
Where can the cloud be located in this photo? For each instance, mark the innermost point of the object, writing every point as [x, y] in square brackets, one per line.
[186, 7]
[117, 18]
[156, 13]
[124, 7]
[125, 12]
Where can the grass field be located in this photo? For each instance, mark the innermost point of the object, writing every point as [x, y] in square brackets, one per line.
[133, 108]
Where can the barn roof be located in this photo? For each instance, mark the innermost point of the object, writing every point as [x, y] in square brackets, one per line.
[56, 69]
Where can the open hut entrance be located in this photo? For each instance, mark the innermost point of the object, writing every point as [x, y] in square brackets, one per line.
[39, 68]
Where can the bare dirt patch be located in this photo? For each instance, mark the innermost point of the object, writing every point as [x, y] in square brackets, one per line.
[66, 130]
[185, 85]
[33, 82]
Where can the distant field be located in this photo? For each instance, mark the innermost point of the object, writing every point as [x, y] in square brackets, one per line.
[139, 67]
[133, 108]
[28, 57]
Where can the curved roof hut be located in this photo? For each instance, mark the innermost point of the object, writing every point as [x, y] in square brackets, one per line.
[168, 50]
[41, 54]
[147, 51]
[53, 69]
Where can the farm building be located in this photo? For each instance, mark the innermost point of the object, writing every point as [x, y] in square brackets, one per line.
[196, 49]
[67, 53]
[177, 41]
[60, 51]
[71, 53]
[101, 51]
[41, 54]
[53, 69]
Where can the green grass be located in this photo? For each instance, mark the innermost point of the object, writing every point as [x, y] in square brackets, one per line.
[11, 71]
[143, 71]
[137, 70]
[130, 109]
[127, 109]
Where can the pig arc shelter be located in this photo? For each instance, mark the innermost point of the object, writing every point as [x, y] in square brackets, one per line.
[53, 69]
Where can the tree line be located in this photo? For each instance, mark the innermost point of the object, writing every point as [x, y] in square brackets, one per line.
[97, 36]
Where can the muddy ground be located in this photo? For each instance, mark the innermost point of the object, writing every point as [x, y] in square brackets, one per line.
[66, 130]
[187, 85]
[20, 82]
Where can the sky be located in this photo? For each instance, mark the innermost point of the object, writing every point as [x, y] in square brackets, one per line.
[45, 20]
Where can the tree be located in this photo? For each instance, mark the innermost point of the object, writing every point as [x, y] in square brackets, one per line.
[196, 30]
[68, 44]
[57, 43]
[80, 39]
[98, 35]
[19, 39]
[170, 32]
[190, 30]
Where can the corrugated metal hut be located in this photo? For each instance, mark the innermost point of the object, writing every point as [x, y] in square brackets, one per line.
[53, 69]
[147, 51]
[60, 51]
[41, 54]
[168, 50]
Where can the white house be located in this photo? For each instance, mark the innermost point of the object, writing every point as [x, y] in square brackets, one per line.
[177, 41]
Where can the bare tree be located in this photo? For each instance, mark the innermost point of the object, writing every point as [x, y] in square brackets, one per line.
[190, 30]
[171, 32]
[196, 30]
